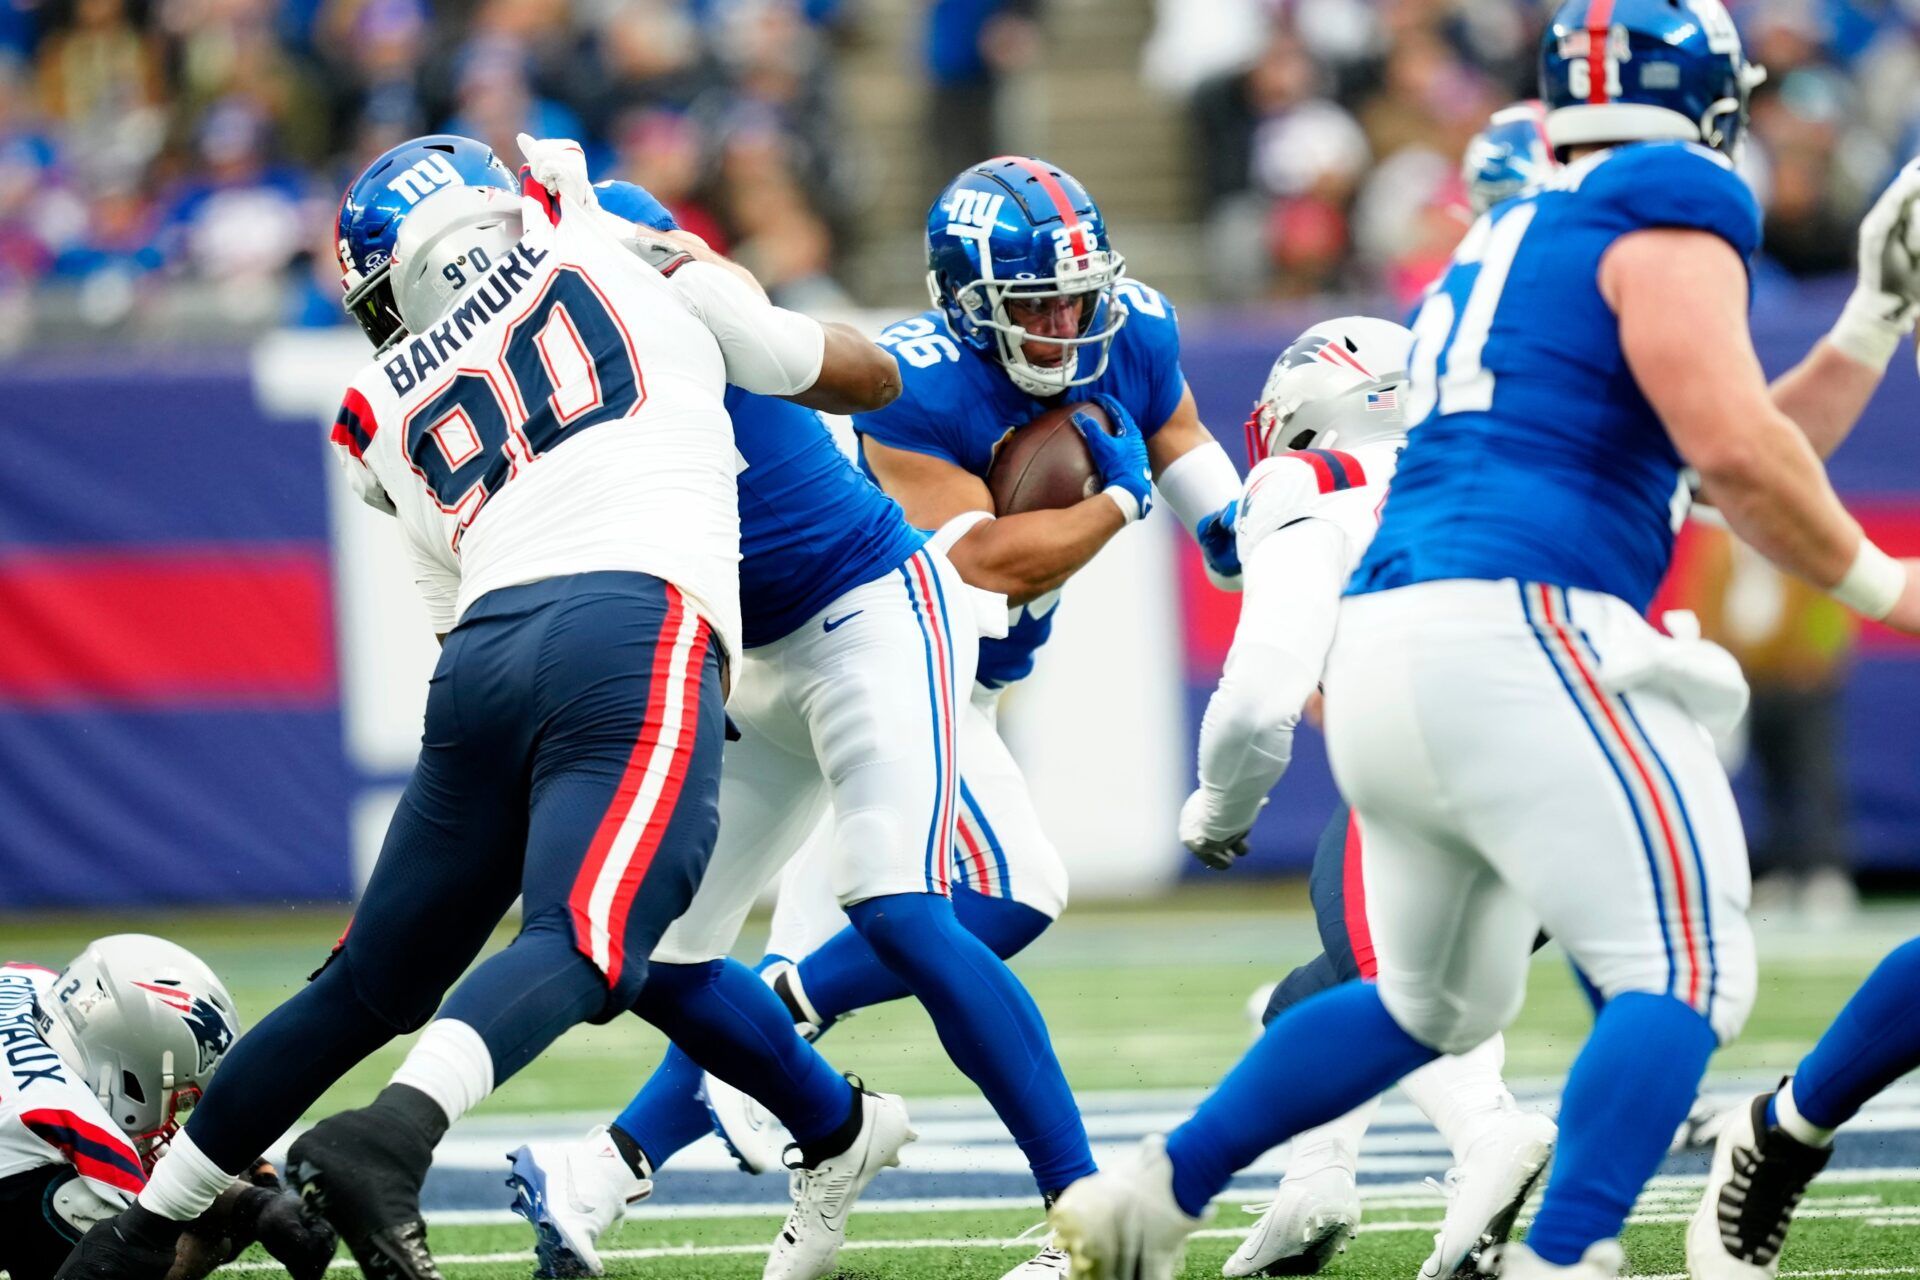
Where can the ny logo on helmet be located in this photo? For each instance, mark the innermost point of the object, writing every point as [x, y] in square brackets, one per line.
[423, 177]
[970, 212]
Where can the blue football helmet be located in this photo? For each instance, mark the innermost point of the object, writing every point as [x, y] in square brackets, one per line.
[1019, 232]
[1634, 70]
[379, 200]
[1508, 156]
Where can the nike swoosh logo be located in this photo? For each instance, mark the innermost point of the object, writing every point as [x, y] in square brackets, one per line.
[831, 623]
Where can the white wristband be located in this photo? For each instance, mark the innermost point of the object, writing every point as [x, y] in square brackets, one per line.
[1124, 499]
[1869, 329]
[1874, 584]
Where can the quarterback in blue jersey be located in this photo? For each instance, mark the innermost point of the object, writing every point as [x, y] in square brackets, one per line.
[1522, 749]
[860, 640]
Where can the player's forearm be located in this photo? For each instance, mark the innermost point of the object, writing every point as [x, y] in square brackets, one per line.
[1825, 395]
[1027, 555]
[855, 375]
[1246, 735]
[1775, 496]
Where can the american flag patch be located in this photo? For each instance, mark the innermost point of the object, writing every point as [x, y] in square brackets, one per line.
[1381, 401]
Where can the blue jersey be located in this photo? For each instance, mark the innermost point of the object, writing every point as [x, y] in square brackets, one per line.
[958, 405]
[811, 526]
[1534, 455]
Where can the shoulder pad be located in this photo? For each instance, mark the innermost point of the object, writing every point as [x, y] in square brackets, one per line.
[1677, 184]
[1289, 487]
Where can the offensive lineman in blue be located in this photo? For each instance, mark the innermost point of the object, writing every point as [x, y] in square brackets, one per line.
[1521, 748]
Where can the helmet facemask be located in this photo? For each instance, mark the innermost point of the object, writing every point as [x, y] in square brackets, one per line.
[369, 300]
[987, 305]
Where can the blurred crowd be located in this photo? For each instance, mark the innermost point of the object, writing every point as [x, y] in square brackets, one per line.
[155, 148]
[1328, 133]
[149, 144]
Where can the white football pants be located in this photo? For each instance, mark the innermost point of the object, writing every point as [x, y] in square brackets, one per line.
[1505, 782]
[860, 708]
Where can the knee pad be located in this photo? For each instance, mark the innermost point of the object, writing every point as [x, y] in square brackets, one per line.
[1447, 1021]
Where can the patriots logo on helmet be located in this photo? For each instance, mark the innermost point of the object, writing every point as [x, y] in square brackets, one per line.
[1305, 351]
[212, 1032]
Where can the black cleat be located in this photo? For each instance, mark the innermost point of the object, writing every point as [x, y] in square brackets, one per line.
[1759, 1174]
[362, 1172]
[124, 1247]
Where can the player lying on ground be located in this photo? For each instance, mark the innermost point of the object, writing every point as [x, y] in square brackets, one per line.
[547, 420]
[103, 1058]
[1032, 307]
[1772, 1147]
[860, 642]
[1522, 748]
[1328, 431]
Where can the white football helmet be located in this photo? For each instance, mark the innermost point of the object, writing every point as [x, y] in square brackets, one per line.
[145, 1023]
[1341, 382]
[447, 243]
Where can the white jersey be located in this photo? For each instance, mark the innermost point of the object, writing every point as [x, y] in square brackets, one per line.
[48, 1115]
[1305, 519]
[566, 416]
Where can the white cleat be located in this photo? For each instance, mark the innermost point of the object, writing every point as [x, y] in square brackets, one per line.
[810, 1241]
[1051, 1263]
[1310, 1221]
[571, 1193]
[1123, 1223]
[1755, 1183]
[1603, 1260]
[753, 1135]
[1486, 1191]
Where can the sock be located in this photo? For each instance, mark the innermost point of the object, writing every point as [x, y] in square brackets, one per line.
[1874, 1041]
[987, 1023]
[666, 1116]
[184, 1183]
[1463, 1095]
[844, 974]
[522, 999]
[1314, 1063]
[631, 1152]
[451, 1065]
[1335, 1143]
[730, 1023]
[282, 1065]
[829, 1145]
[1629, 1089]
[1784, 1113]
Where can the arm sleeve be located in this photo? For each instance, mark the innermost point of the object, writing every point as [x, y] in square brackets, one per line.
[768, 349]
[1292, 596]
[1198, 483]
[352, 435]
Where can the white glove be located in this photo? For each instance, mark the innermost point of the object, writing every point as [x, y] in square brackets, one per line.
[559, 165]
[1886, 300]
[1201, 830]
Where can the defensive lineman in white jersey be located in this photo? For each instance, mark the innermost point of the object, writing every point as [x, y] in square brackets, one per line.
[1326, 436]
[546, 418]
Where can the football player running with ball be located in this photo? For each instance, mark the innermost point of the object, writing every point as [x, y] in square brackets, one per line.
[1523, 750]
[1328, 431]
[1032, 309]
[546, 419]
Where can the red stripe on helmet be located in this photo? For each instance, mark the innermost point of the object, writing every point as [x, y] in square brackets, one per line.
[1599, 28]
[1069, 217]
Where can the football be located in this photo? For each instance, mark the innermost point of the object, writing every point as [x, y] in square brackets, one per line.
[1045, 464]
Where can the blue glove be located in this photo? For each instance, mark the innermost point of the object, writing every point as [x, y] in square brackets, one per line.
[634, 203]
[1121, 460]
[1220, 543]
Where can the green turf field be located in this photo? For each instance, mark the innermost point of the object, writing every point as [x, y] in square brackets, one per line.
[1138, 999]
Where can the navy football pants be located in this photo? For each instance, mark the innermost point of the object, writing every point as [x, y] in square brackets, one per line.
[571, 758]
